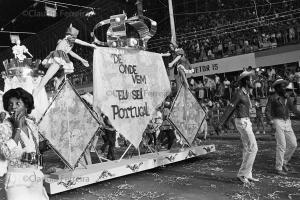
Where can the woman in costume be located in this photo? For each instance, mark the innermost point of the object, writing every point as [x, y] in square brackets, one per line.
[182, 66]
[59, 59]
[19, 148]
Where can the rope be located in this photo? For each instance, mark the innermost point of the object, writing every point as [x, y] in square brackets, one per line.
[68, 124]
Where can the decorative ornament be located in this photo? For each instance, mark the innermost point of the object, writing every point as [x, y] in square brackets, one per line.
[20, 65]
[135, 167]
[119, 35]
[171, 158]
[27, 67]
[104, 175]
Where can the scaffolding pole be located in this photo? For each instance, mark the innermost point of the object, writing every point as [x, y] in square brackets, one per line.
[172, 23]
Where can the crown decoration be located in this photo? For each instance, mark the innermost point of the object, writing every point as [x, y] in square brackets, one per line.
[118, 32]
[14, 67]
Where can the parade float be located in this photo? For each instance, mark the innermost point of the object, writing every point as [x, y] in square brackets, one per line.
[129, 84]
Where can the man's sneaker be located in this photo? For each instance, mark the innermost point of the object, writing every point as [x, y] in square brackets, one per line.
[257, 133]
[280, 172]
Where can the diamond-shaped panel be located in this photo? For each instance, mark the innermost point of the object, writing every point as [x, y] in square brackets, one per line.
[186, 114]
[68, 125]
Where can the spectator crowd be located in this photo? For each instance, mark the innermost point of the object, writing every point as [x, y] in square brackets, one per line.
[237, 27]
[214, 93]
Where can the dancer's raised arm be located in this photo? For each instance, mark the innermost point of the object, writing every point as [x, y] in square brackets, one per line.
[83, 43]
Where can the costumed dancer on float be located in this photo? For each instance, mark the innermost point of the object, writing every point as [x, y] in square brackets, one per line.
[181, 66]
[59, 59]
[278, 111]
[241, 104]
[19, 51]
[19, 149]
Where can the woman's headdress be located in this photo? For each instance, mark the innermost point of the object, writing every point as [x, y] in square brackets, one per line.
[72, 31]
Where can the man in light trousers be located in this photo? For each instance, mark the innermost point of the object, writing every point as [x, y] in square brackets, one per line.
[278, 113]
[241, 104]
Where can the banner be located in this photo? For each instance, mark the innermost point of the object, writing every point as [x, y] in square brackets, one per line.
[128, 85]
[229, 64]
